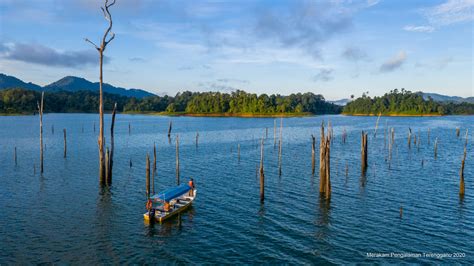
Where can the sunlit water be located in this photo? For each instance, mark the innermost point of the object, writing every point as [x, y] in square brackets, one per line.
[64, 215]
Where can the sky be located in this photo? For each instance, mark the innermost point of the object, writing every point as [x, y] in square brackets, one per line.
[336, 48]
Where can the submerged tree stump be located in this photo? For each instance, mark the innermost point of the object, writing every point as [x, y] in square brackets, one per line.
[313, 154]
[147, 175]
[177, 159]
[262, 175]
[40, 110]
[461, 174]
[363, 150]
[110, 163]
[65, 143]
[322, 164]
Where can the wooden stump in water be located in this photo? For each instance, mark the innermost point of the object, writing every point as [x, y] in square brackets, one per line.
[461, 174]
[322, 164]
[238, 152]
[436, 149]
[274, 132]
[15, 158]
[40, 110]
[147, 175]
[107, 158]
[197, 139]
[327, 154]
[65, 143]
[363, 151]
[110, 163]
[129, 129]
[458, 131]
[262, 175]
[279, 149]
[169, 129]
[177, 159]
[313, 154]
[409, 138]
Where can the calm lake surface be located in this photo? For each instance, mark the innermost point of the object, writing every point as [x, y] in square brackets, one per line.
[64, 215]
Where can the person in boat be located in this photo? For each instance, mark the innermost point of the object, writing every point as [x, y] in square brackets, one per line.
[191, 184]
[166, 206]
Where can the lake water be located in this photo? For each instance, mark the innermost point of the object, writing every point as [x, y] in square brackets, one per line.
[65, 216]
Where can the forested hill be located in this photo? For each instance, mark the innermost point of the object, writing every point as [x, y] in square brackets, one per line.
[17, 101]
[404, 102]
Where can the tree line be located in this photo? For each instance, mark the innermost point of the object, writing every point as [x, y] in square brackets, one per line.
[15, 101]
[404, 102]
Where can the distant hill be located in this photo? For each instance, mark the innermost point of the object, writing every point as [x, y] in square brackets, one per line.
[444, 98]
[71, 84]
[7, 82]
[341, 102]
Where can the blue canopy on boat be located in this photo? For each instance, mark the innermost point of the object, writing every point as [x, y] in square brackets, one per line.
[172, 193]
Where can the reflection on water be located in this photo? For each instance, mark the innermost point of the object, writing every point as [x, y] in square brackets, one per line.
[65, 216]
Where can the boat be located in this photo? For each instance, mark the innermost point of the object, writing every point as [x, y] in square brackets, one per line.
[178, 198]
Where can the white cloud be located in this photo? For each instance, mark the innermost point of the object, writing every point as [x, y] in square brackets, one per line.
[450, 12]
[394, 63]
[427, 29]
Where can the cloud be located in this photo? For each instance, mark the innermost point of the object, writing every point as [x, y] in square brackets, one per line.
[394, 63]
[438, 64]
[325, 75]
[450, 12]
[42, 55]
[355, 54]
[305, 25]
[227, 80]
[427, 29]
[188, 67]
[215, 86]
[137, 59]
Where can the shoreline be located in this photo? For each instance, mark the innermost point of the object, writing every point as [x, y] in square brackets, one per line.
[396, 115]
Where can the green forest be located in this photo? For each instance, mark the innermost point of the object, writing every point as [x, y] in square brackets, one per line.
[20, 101]
[404, 102]
[396, 102]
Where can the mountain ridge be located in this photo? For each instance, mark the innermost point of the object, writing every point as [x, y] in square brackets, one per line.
[71, 84]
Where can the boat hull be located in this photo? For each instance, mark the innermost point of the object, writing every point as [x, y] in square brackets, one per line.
[182, 204]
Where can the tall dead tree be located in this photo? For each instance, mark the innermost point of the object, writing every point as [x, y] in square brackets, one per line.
[279, 148]
[262, 175]
[110, 162]
[322, 165]
[313, 154]
[177, 159]
[65, 143]
[461, 174]
[147, 175]
[40, 110]
[363, 151]
[106, 39]
[169, 129]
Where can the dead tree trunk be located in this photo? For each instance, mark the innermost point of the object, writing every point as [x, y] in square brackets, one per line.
[327, 154]
[458, 131]
[274, 133]
[197, 139]
[344, 136]
[436, 149]
[40, 110]
[110, 163]
[461, 174]
[177, 159]
[15, 157]
[147, 175]
[107, 156]
[238, 152]
[279, 149]
[262, 175]
[409, 138]
[377, 125]
[169, 129]
[322, 164]
[363, 151]
[313, 154]
[65, 143]
[101, 49]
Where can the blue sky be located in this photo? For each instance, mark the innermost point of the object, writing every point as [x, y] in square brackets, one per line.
[334, 47]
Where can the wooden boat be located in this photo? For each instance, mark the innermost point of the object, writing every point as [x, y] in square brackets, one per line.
[179, 199]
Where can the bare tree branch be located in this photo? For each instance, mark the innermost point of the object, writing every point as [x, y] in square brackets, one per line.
[108, 17]
[89, 41]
